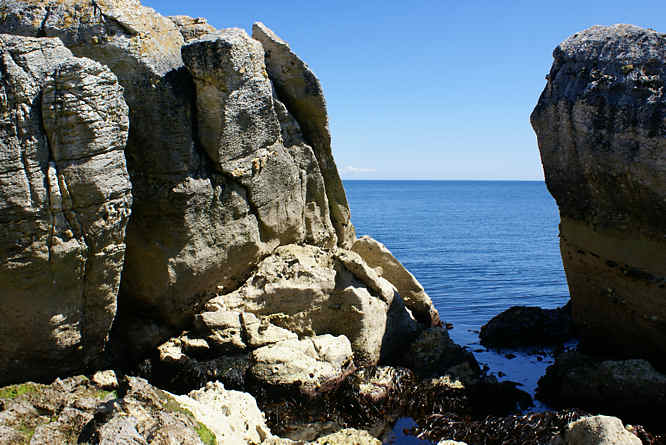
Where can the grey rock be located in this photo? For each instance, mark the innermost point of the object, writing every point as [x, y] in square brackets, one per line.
[599, 430]
[601, 128]
[240, 131]
[300, 90]
[261, 332]
[65, 197]
[192, 229]
[528, 326]
[223, 329]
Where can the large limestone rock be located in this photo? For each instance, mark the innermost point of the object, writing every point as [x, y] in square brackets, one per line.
[221, 172]
[311, 291]
[301, 92]
[601, 128]
[65, 199]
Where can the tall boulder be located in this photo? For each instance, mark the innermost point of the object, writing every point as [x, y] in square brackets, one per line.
[65, 199]
[601, 128]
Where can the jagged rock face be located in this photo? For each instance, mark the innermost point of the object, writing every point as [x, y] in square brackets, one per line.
[220, 171]
[601, 128]
[377, 256]
[310, 291]
[65, 199]
[300, 90]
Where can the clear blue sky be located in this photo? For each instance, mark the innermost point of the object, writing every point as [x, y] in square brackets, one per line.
[428, 89]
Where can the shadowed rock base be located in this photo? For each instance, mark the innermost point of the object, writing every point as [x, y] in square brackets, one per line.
[620, 298]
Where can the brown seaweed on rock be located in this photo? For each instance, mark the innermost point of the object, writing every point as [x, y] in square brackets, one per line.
[529, 429]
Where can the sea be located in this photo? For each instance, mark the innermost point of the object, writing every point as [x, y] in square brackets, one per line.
[478, 248]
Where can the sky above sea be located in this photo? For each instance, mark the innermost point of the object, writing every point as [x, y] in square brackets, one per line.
[428, 89]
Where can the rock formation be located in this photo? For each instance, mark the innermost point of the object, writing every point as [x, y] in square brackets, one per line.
[601, 127]
[239, 236]
[64, 205]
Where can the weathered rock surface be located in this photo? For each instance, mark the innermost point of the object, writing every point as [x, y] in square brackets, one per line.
[632, 389]
[301, 92]
[315, 364]
[199, 222]
[599, 430]
[65, 199]
[377, 256]
[601, 128]
[311, 291]
[192, 28]
[528, 326]
[75, 410]
[232, 416]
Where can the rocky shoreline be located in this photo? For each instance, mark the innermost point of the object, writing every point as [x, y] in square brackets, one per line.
[178, 263]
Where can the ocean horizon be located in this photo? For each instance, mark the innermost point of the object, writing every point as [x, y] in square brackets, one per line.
[478, 247]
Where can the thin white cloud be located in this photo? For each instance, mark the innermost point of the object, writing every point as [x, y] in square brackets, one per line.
[356, 170]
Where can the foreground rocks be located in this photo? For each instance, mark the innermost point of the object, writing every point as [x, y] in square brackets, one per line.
[76, 410]
[601, 127]
[632, 389]
[521, 326]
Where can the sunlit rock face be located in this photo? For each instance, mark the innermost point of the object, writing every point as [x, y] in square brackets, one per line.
[601, 128]
[65, 199]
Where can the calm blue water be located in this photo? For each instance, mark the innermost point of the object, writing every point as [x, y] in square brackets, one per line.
[477, 247]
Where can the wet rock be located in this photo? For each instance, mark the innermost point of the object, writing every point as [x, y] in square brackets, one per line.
[527, 326]
[600, 124]
[599, 430]
[632, 389]
[434, 354]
